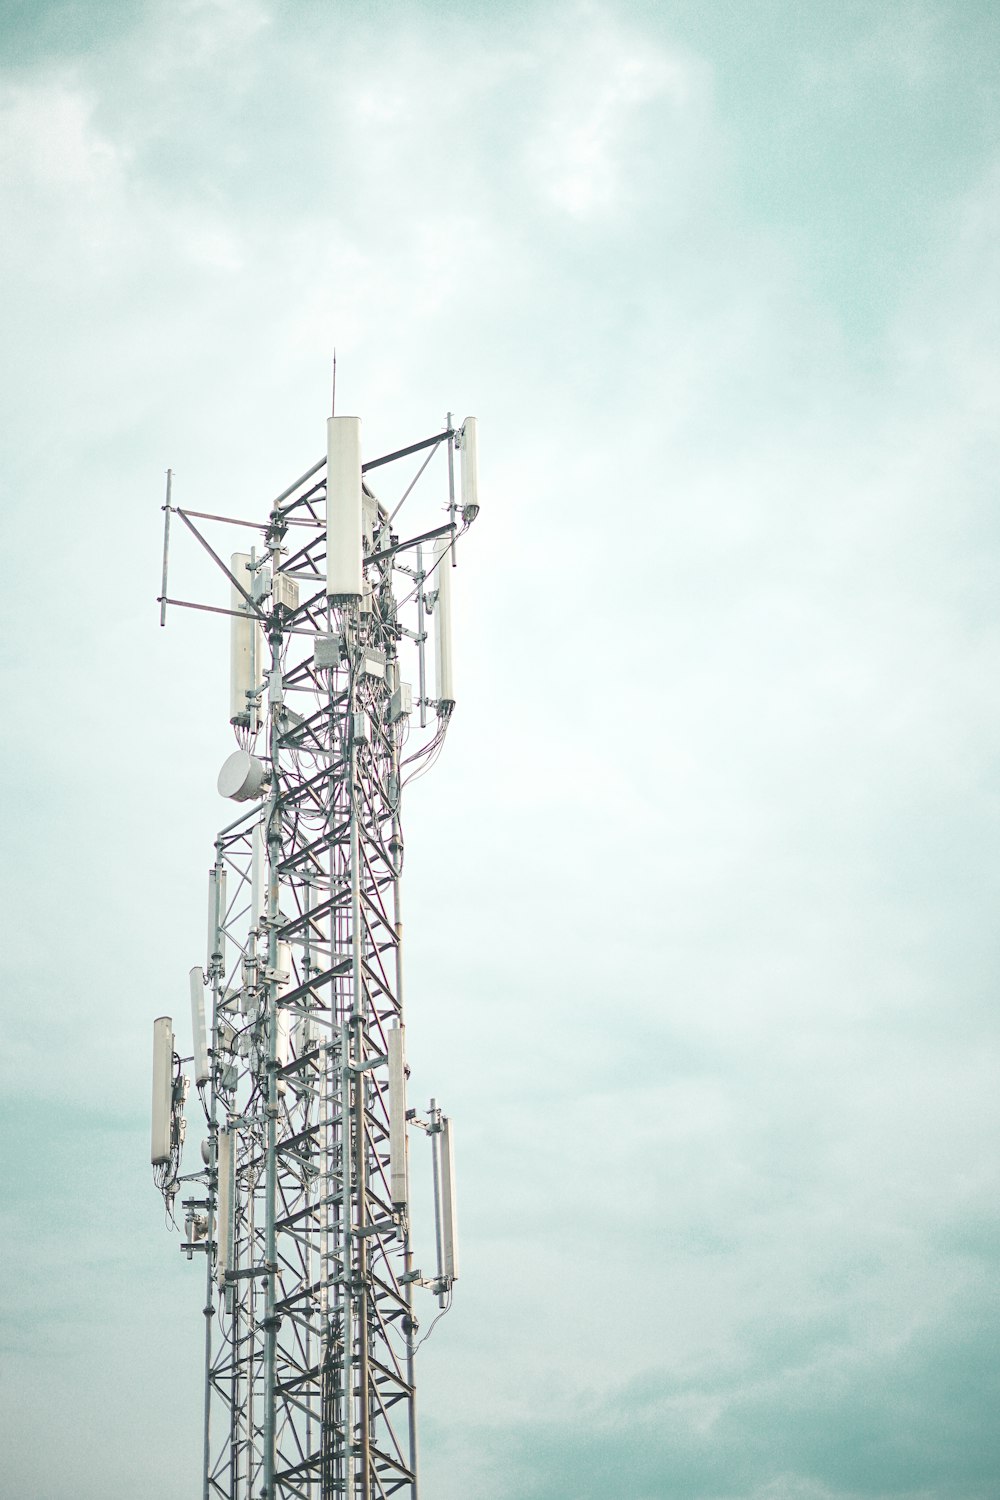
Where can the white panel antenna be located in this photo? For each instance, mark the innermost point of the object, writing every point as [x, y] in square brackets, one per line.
[344, 508]
[449, 1219]
[256, 874]
[226, 1148]
[216, 914]
[444, 677]
[469, 451]
[246, 648]
[397, 1117]
[163, 1089]
[202, 1071]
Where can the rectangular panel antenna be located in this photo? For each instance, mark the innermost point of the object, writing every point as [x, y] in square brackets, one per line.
[344, 578]
[202, 1071]
[216, 914]
[256, 873]
[246, 648]
[470, 469]
[444, 680]
[227, 1173]
[163, 1088]
[397, 1118]
[449, 1222]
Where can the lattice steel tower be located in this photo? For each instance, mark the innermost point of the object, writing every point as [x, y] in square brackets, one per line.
[301, 1207]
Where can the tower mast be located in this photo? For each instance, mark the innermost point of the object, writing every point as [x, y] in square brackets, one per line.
[302, 1205]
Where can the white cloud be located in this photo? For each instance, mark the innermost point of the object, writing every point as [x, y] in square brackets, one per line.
[50, 143]
[600, 84]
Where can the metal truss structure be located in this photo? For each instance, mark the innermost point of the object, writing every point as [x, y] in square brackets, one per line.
[302, 1208]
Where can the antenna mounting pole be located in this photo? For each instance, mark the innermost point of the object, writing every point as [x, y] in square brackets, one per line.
[166, 549]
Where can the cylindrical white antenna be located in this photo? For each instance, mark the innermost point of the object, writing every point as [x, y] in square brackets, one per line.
[196, 979]
[449, 1218]
[256, 873]
[444, 678]
[163, 1089]
[284, 966]
[397, 1117]
[470, 469]
[227, 1171]
[216, 913]
[246, 648]
[344, 508]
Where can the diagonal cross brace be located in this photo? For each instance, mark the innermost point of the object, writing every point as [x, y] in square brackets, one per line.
[217, 559]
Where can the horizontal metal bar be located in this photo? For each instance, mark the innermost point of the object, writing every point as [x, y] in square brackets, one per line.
[204, 515]
[211, 609]
[251, 814]
[291, 1141]
[384, 1226]
[289, 1071]
[388, 458]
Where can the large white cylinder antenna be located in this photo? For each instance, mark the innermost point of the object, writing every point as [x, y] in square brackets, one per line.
[344, 508]
[444, 678]
[196, 979]
[397, 1117]
[163, 1089]
[469, 451]
[246, 648]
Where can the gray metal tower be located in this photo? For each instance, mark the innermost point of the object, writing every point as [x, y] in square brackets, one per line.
[301, 1205]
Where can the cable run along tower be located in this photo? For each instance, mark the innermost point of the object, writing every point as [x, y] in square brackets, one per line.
[300, 1204]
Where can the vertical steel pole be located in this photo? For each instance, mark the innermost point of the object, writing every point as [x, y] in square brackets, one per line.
[434, 1115]
[350, 1147]
[347, 1258]
[253, 705]
[270, 1189]
[208, 1309]
[305, 1041]
[166, 549]
[329, 1076]
[216, 972]
[396, 848]
[452, 507]
[361, 1170]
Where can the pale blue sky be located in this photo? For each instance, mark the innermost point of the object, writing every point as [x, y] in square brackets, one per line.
[701, 898]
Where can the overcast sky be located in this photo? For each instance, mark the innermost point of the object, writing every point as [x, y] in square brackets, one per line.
[701, 898]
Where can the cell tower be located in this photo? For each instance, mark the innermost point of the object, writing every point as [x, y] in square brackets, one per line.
[301, 1205]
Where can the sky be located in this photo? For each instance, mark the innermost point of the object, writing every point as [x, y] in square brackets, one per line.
[702, 953]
